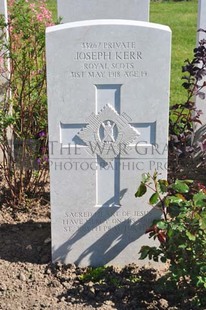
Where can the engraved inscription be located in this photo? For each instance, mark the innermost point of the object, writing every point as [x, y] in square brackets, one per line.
[127, 55]
[109, 60]
[109, 45]
[73, 221]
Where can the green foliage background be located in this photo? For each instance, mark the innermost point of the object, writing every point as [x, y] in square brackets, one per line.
[181, 17]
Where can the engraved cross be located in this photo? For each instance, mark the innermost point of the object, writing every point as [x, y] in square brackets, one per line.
[106, 133]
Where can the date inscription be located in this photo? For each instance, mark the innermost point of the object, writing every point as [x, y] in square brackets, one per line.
[108, 60]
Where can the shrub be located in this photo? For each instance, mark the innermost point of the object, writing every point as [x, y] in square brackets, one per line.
[24, 106]
[181, 231]
[183, 116]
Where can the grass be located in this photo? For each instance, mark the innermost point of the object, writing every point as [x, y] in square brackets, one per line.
[52, 5]
[181, 17]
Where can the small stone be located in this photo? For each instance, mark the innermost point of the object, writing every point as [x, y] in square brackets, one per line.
[29, 247]
[81, 289]
[90, 284]
[163, 303]
[55, 283]
[108, 302]
[43, 306]
[63, 298]
[92, 290]
[67, 285]
[59, 266]
[47, 240]
[48, 271]
[3, 286]
[71, 266]
[22, 276]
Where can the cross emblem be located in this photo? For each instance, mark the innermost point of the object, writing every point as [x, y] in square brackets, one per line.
[102, 138]
[107, 134]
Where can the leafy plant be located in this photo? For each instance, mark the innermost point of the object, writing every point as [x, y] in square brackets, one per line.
[181, 230]
[184, 116]
[109, 277]
[23, 116]
[94, 274]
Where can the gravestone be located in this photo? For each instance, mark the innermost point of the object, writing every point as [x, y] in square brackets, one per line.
[3, 7]
[201, 24]
[3, 74]
[199, 136]
[77, 10]
[108, 94]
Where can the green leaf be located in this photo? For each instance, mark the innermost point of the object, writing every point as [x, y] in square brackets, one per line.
[154, 199]
[180, 186]
[190, 236]
[163, 259]
[162, 225]
[163, 184]
[182, 246]
[203, 269]
[170, 232]
[155, 258]
[141, 190]
[145, 177]
[199, 199]
[203, 220]
[174, 200]
[177, 227]
[173, 211]
[144, 251]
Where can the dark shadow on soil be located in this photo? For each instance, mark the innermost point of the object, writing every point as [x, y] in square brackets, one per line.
[26, 242]
[131, 288]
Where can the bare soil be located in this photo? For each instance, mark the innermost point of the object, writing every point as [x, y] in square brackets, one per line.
[28, 279]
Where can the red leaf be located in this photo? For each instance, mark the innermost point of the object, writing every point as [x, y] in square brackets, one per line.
[162, 236]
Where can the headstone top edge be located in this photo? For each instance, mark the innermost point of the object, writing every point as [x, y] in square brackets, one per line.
[108, 22]
[4, 10]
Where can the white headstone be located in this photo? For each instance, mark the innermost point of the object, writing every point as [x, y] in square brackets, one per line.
[3, 73]
[201, 24]
[108, 93]
[3, 7]
[3, 11]
[77, 10]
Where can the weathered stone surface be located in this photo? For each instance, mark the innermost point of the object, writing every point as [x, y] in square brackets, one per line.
[108, 90]
[77, 10]
[201, 24]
